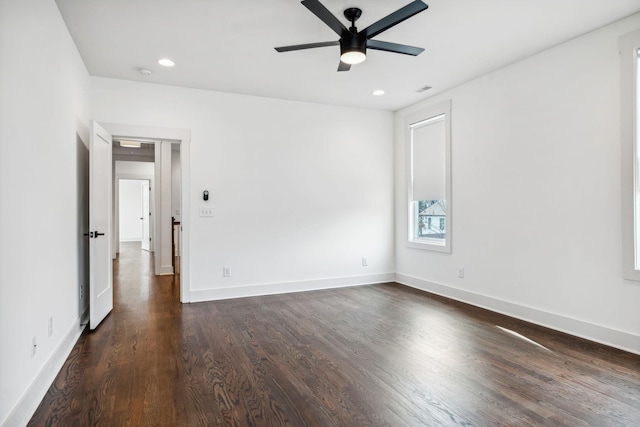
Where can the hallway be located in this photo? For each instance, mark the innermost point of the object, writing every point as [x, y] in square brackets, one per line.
[122, 372]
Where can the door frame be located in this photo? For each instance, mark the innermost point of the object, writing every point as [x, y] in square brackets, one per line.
[147, 218]
[183, 137]
[116, 208]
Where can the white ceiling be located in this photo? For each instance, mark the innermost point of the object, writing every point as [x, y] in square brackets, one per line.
[228, 45]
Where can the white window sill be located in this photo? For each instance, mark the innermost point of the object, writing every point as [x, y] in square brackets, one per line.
[436, 245]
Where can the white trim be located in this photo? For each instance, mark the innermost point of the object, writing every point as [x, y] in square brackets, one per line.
[165, 270]
[628, 45]
[410, 122]
[601, 334]
[288, 287]
[30, 400]
[185, 223]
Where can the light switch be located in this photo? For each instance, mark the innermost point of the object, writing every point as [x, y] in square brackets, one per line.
[206, 212]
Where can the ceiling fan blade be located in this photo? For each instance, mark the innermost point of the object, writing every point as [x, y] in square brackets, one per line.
[344, 66]
[395, 18]
[394, 47]
[325, 16]
[306, 46]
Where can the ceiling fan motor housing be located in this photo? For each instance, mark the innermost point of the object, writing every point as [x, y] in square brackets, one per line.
[353, 43]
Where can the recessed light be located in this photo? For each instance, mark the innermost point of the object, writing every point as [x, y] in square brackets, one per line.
[130, 144]
[166, 62]
[144, 72]
[378, 92]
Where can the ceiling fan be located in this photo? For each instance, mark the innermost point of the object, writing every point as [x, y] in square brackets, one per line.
[353, 43]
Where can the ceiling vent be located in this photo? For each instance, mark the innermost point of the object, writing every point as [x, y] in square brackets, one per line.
[423, 89]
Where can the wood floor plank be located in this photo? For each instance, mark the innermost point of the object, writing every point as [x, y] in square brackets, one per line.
[382, 355]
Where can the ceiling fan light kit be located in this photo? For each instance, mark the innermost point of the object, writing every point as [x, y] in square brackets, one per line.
[354, 43]
[353, 51]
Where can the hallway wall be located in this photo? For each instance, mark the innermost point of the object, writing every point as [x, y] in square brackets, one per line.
[176, 184]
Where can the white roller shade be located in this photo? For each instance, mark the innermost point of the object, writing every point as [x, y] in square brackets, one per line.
[428, 159]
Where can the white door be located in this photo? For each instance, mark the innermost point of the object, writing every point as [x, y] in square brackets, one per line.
[100, 268]
[146, 237]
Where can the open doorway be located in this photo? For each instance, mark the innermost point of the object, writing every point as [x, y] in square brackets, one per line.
[166, 158]
[134, 213]
[147, 192]
[134, 201]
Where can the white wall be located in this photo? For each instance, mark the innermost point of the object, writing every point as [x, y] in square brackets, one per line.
[44, 205]
[164, 224]
[133, 168]
[130, 210]
[176, 184]
[536, 153]
[300, 192]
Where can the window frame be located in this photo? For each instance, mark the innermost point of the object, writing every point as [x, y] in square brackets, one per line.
[629, 45]
[437, 245]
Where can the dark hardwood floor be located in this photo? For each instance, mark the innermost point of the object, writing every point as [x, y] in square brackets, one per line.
[371, 355]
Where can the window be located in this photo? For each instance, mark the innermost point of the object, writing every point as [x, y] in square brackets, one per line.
[428, 138]
[630, 149]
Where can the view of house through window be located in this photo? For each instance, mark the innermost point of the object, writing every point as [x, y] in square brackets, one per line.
[431, 216]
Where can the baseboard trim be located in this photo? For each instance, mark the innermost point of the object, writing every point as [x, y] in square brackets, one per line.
[590, 331]
[287, 287]
[26, 407]
[165, 270]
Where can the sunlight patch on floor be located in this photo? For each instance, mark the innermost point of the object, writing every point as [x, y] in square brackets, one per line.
[522, 337]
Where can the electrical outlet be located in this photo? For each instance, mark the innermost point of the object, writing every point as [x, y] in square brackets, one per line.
[206, 212]
[34, 345]
[81, 291]
[226, 271]
[461, 272]
[50, 326]
[365, 261]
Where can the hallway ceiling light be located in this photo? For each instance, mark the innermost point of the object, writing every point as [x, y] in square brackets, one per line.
[378, 92]
[130, 144]
[166, 62]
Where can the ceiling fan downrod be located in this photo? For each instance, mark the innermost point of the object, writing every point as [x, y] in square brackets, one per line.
[352, 14]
